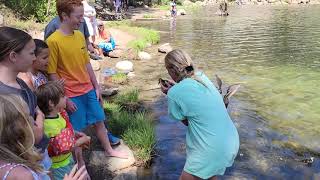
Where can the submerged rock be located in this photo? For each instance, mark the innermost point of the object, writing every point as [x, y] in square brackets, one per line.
[124, 66]
[165, 48]
[113, 164]
[127, 174]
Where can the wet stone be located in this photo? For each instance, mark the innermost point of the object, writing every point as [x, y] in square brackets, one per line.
[113, 164]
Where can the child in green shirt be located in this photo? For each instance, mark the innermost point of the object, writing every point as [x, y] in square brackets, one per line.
[52, 102]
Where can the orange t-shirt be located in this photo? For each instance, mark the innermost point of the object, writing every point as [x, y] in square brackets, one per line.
[68, 59]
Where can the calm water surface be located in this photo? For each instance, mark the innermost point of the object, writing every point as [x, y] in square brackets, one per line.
[274, 52]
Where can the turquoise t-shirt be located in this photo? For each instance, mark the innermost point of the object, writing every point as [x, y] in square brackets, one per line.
[212, 139]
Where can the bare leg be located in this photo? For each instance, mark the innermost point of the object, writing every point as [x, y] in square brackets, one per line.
[93, 38]
[101, 134]
[100, 52]
[214, 178]
[187, 176]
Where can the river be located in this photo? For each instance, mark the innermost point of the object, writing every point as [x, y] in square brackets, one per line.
[274, 53]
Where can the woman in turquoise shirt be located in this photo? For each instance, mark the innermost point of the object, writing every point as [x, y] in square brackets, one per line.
[212, 139]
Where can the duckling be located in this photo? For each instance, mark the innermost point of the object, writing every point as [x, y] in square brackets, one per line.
[231, 90]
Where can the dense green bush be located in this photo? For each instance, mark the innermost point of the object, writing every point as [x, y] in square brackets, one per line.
[32, 8]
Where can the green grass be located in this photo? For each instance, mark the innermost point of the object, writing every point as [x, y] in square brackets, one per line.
[118, 23]
[135, 128]
[119, 78]
[148, 16]
[144, 35]
[165, 7]
[130, 96]
[14, 20]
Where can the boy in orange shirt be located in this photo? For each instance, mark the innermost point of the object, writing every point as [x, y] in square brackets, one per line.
[69, 60]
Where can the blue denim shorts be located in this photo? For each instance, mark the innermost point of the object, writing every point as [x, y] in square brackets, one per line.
[89, 111]
[107, 46]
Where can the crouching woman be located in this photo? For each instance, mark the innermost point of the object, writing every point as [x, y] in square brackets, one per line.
[212, 138]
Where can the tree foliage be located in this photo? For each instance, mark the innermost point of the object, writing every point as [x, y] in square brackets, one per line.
[38, 9]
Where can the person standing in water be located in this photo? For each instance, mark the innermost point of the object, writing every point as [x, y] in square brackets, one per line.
[212, 139]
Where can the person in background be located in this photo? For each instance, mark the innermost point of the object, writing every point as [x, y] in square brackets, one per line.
[69, 60]
[91, 21]
[173, 6]
[55, 23]
[18, 158]
[108, 44]
[212, 139]
[117, 6]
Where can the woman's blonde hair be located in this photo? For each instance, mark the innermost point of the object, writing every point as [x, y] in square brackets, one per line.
[16, 134]
[180, 63]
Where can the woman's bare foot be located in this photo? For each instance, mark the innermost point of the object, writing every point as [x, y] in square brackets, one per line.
[118, 154]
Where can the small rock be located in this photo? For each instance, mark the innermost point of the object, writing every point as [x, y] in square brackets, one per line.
[125, 66]
[144, 56]
[131, 75]
[95, 65]
[165, 48]
[109, 91]
[148, 44]
[115, 53]
[145, 6]
[113, 164]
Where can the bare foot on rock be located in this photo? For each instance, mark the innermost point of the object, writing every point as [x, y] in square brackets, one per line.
[117, 154]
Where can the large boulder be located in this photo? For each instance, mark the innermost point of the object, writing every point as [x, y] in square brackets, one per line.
[165, 48]
[98, 158]
[144, 56]
[124, 66]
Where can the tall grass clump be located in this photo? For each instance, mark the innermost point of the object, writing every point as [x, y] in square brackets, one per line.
[129, 96]
[135, 128]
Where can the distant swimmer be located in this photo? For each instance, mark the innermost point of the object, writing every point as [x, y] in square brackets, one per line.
[223, 9]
